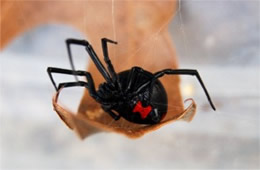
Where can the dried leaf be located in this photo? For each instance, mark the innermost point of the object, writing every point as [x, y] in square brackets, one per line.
[87, 125]
[141, 29]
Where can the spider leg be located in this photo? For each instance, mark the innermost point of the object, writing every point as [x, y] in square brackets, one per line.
[110, 67]
[184, 72]
[131, 78]
[72, 84]
[111, 113]
[89, 84]
[92, 55]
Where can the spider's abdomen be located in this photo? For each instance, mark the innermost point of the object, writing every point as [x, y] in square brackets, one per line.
[149, 106]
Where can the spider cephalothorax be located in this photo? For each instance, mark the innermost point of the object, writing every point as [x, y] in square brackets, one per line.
[136, 94]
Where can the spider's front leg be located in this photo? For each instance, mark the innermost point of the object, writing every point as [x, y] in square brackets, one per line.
[89, 84]
[92, 55]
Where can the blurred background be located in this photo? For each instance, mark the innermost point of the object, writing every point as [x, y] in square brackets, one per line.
[221, 39]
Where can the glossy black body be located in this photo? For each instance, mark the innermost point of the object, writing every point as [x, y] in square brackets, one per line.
[153, 95]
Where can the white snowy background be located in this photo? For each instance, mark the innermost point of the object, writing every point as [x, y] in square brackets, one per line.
[221, 39]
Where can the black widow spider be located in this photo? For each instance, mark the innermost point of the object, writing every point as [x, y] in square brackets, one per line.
[136, 94]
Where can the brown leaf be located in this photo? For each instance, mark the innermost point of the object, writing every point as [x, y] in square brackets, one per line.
[141, 29]
[85, 125]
